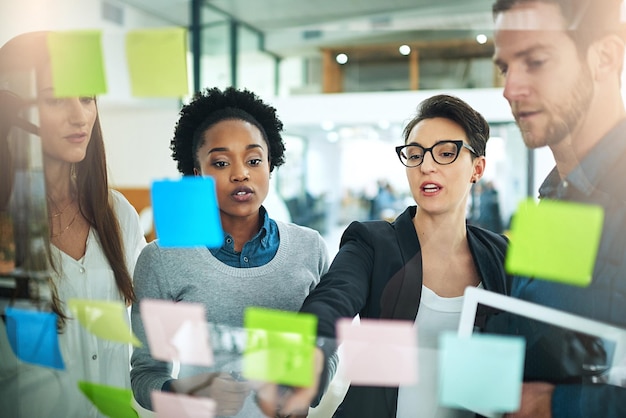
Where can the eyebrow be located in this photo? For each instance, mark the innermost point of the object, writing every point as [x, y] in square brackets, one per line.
[224, 149]
[523, 53]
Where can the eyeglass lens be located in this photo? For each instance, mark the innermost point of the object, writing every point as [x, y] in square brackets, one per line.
[443, 153]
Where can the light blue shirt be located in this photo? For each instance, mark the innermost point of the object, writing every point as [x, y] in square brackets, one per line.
[255, 253]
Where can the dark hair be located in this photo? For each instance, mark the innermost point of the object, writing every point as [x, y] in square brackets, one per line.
[211, 106]
[452, 108]
[29, 51]
[585, 20]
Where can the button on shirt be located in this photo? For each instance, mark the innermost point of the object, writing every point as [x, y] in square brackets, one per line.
[255, 253]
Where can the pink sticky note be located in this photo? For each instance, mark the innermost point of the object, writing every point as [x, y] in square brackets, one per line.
[378, 352]
[177, 331]
[169, 405]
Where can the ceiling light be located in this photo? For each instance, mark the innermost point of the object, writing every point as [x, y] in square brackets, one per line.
[404, 49]
[341, 58]
[481, 38]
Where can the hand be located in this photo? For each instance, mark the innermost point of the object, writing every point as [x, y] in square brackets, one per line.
[293, 402]
[536, 401]
[228, 393]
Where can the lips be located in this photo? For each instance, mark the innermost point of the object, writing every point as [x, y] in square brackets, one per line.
[430, 187]
[77, 137]
[242, 194]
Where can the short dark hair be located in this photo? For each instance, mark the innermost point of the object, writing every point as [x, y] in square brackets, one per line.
[213, 105]
[452, 108]
[586, 20]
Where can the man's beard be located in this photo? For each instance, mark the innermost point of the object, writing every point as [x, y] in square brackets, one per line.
[565, 116]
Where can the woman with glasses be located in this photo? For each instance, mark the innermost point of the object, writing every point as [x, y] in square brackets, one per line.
[417, 267]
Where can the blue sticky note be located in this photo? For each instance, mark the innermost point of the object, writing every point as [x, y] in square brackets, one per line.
[186, 213]
[33, 337]
[482, 372]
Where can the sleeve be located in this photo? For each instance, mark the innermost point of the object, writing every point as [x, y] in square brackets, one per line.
[344, 288]
[130, 228]
[581, 401]
[342, 292]
[147, 374]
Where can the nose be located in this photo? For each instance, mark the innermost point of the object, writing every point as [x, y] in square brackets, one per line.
[428, 164]
[239, 172]
[516, 85]
[77, 113]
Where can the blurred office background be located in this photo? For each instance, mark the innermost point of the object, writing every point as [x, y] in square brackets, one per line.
[344, 77]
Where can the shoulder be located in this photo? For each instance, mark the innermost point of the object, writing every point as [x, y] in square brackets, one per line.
[122, 207]
[298, 231]
[480, 237]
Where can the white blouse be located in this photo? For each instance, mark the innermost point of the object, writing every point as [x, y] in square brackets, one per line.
[40, 391]
[436, 315]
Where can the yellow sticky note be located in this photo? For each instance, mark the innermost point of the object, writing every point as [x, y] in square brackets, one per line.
[279, 346]
[111, 401]
[555, 240]
[77, 63]
[157, 62]
[105, 319]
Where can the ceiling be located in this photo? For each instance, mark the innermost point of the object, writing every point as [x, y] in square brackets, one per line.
[293, 27]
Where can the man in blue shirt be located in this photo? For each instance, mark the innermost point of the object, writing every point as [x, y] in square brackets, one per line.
[562, 62]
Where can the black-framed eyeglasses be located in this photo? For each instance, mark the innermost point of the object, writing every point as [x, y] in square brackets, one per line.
[443, 152]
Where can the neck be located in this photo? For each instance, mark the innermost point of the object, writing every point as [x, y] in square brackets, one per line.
[58, 181]
[443, 232]
[242, 229]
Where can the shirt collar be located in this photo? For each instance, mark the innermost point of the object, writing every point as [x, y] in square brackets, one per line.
[586, 176]
[262, 235]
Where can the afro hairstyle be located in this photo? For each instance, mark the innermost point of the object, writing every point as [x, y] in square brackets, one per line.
[213, 105]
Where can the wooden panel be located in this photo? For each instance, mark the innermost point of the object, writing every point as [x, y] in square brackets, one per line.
[332, 75]
[414, 70]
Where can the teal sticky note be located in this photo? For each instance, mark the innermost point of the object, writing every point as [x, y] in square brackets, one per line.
[555, 240]
[157, 62]
[77, 63]
[482, 372]
[33, 337]
[111, 401]
[186, 213]
[279, 346]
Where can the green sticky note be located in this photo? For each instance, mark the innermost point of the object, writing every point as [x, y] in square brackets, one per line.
[105, 319]
[279, 346]
[77, 63]
[111, 401]
[481, 373]
[157, 62]
[555, 240]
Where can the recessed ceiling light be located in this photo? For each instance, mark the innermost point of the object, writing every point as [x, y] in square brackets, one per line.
[341, 58]
[481, 38]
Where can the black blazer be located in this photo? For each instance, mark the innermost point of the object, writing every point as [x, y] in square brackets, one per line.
[378, 274]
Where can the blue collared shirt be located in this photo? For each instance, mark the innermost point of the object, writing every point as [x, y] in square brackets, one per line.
[255, 253]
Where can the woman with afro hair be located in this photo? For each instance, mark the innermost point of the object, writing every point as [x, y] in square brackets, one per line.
[235, 138]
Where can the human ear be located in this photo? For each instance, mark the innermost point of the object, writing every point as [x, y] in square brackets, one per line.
[479, 169]
[606, 57]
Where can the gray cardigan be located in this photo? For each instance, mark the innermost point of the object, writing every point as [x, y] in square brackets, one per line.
[195, 275]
